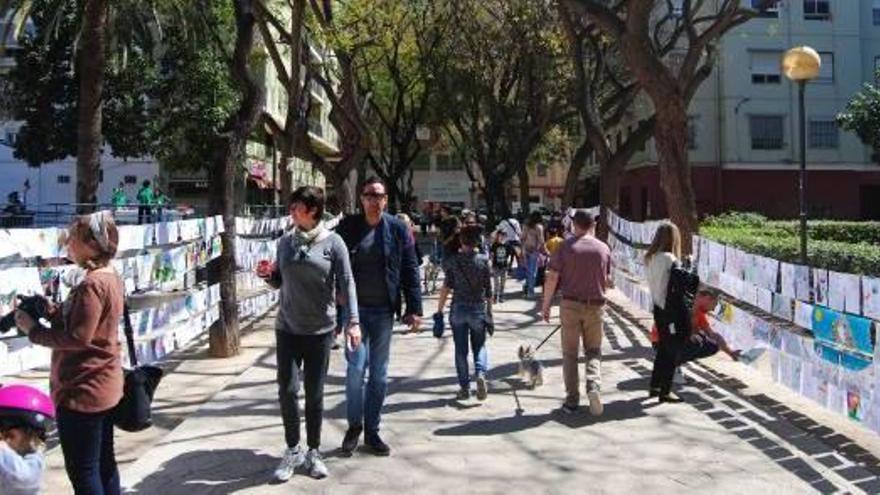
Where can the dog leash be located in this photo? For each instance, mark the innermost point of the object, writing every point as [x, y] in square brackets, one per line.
[548, 337]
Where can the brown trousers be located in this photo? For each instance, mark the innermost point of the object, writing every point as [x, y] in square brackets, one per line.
[581, 324]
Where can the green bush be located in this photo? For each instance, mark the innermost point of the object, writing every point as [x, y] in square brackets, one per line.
[736, 219]
[781, 244]
[831, 230]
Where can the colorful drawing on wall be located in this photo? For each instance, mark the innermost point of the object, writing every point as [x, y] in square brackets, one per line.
[854, 404]
[843, 330]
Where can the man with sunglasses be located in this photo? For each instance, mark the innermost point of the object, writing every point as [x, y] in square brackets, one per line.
[384, 264]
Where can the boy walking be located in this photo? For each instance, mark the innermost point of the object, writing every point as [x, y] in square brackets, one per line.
[501, 253]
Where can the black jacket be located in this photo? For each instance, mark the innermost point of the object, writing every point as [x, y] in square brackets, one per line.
[401, 266]
[675, 319]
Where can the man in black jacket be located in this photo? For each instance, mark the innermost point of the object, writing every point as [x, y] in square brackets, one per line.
[384, 265]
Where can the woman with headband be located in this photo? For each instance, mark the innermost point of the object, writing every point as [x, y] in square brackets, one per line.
[86, 373]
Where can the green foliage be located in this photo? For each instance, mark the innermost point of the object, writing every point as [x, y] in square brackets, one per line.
[127, 119]
[736, 219]
[862, 116]
[196, 98]
[43, 89]
[170, 108]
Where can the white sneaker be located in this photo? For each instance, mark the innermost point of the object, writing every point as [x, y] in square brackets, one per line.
[596, 407]
[678, 378]
[292, 459]
[314, 463]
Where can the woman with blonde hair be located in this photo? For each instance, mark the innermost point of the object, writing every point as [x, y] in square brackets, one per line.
[86, 371]
[661, 259]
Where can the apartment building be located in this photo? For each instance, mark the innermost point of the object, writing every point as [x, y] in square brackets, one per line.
[743, 123]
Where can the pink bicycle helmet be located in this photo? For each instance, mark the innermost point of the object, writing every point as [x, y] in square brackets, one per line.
[22, 405]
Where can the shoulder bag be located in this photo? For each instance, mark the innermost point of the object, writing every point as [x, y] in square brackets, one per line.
[134, 411]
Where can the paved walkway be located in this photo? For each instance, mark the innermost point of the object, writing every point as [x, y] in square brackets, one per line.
[728, 438]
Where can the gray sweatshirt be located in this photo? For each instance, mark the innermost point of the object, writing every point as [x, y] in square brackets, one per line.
[310, 275]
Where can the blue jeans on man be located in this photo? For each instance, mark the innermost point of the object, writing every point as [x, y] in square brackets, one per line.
[364, 407]
[468, 324]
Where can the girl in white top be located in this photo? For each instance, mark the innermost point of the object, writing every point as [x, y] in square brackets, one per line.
[662, 255]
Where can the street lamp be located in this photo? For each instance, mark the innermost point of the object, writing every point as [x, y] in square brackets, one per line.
[801, 64]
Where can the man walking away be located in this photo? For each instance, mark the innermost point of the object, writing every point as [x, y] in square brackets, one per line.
[384, 264]
[581, 268]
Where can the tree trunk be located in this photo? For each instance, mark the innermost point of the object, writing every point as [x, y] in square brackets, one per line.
[675, 172]
[609, 195]
[224, 334]
[91, 63]
[523, 176]
[496, 200]
[578, 162]
[284, 170]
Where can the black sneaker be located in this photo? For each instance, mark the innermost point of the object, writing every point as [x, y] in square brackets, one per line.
[569, 408]
[376, 445]
[350, 442]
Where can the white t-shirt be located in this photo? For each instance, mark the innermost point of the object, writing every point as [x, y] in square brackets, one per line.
[20, 475]
[658, 277]
[511, 229]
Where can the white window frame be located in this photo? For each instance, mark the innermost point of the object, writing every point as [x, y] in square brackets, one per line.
[815, 15]
[63, 179]
[826, 73]
[765, 71]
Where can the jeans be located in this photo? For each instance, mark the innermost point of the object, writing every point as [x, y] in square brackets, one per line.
[299, 355]
[531, 272]
[581, 325]
[87, 446]
[468, 323]
[364, 407]
[499, 278]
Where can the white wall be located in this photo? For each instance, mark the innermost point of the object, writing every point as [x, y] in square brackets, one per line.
[45, 187]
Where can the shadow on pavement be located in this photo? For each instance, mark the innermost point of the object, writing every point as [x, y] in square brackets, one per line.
[620, 410]
[209, 471]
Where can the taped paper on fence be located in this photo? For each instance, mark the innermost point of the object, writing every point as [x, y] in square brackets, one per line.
[871, 297]
[844, 292]
[820, 286]
[795, 281]
[803, 315]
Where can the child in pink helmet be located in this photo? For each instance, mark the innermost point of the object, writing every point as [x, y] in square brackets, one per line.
[25, 415]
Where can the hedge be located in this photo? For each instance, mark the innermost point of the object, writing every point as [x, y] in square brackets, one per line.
[820, 230]
[861, 258]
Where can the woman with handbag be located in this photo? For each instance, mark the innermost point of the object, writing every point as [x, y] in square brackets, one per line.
[469, 278]
[86, 373]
